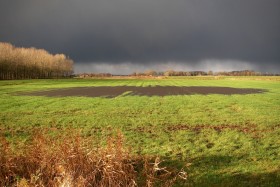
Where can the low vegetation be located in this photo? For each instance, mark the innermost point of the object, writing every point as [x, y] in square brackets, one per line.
[66, 160]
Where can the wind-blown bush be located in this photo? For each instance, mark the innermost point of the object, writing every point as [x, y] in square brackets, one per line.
[31, 63]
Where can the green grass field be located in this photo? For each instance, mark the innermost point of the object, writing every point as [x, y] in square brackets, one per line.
[230, 140]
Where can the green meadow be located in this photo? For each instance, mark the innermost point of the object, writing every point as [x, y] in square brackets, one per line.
[225, 140]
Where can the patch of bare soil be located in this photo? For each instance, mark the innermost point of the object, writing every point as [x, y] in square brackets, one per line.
[110, 91]
[198, 128]
[248, 129]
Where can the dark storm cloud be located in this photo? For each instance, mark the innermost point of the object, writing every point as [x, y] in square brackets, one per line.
[148, 32]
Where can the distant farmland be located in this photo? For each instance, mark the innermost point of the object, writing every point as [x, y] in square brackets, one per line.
[224, 139]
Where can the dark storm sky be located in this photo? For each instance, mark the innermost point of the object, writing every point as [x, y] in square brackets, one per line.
[120, 36]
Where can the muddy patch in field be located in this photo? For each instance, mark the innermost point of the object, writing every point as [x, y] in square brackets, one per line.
[114, 91]
[220, 128]
[250, 129]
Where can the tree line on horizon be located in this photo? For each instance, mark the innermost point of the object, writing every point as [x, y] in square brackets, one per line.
[153, 73]
[200, 73]
[32, 63]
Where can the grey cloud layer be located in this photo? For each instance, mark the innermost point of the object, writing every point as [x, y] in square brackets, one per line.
[147, 31]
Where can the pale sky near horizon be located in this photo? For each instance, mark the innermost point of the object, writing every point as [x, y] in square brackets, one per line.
[122, 36]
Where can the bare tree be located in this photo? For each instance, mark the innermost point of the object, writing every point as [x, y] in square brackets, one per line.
[27, 63]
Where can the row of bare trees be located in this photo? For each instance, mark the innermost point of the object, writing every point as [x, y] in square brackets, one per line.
[31, 63]
[200, 73]
[88, 75]
[171, 73]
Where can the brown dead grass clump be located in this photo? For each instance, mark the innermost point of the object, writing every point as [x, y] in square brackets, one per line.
[73, 161]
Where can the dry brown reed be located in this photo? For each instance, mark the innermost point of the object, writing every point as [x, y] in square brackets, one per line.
[71, 160]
